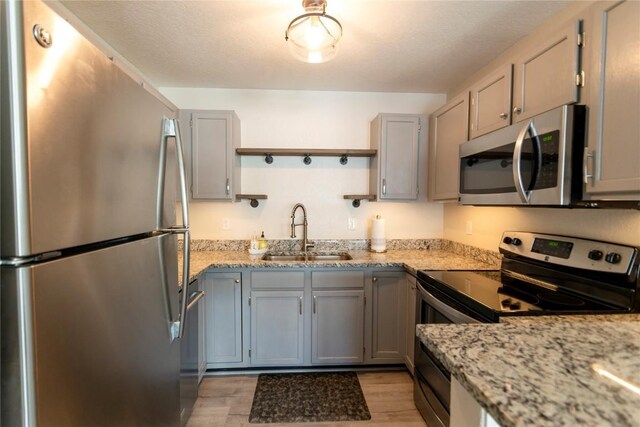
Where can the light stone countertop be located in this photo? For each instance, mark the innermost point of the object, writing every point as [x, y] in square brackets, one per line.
[540, 371]
[412, 260]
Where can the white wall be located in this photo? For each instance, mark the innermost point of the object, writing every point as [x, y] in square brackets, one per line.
[488, 223]
[291, 119]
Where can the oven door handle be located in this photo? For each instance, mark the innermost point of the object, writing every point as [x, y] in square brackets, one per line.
[517, 160]
[449, 312]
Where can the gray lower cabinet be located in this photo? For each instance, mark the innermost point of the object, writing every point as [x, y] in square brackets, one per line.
[410, 322]
[612, 157]
[215, 167]
[337, 326]
[202, 334]
[448, 128]
[277, 328]
[394, 170]
[545, 74]
[223, 318]
[389, 311]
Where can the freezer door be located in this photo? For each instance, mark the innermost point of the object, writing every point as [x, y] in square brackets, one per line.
[80, 144]
[86, 340]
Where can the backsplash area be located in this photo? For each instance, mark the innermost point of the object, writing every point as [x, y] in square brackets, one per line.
[323, 245]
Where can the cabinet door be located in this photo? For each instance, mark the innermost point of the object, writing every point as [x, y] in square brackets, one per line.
[545, 76]
[337, 327]
[214, 135]
[223, 302]
[202, 333]
[491, 103]
[397, 160]
[410, 322]
[613, 152]
[277, 328]
[389, 326]
[448, 128]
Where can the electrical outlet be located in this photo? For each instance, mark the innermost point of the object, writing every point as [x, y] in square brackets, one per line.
[226, 223]
[351, 224]
[469, 227]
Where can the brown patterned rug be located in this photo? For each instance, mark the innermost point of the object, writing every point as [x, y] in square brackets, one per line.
[324, 396]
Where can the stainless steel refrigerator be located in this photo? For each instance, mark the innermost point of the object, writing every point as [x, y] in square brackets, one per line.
[90, 166]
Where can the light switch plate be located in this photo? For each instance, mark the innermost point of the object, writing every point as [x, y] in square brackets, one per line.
[351, 224]
[226, 223]
[469, 227]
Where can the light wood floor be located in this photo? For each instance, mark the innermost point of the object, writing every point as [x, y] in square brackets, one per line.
[227, 401]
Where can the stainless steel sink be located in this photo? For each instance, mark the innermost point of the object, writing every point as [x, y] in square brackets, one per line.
[300, 256]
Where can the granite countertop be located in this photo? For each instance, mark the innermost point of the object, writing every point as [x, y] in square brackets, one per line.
[412, 260]
[540, 371]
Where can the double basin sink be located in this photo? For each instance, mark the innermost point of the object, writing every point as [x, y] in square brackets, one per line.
[309, 256]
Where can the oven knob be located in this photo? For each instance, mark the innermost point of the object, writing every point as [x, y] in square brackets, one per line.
[595, 255]
[613, 258]
[516, 241]
[507, 240]
[515, 306]
[506, 302]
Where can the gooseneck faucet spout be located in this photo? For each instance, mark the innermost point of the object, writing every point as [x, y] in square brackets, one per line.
[305, 242]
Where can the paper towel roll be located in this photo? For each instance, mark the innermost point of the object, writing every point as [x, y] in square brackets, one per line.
[378, 240]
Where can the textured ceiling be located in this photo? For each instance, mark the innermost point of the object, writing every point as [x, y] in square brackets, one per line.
[388, 46]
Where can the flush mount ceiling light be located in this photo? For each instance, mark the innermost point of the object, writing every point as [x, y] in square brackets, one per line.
[314, 36]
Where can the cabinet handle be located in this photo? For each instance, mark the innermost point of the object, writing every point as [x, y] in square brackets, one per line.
[517, 110]
[237, 280]
[314, 304]
[384, 186]
[503, 116]
[228, 188]
[300, 305]
[585, 160]
[375, 279]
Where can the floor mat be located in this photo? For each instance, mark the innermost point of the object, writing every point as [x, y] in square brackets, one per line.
[308, 397]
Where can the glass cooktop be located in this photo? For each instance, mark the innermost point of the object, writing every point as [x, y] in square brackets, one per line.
[496, 292]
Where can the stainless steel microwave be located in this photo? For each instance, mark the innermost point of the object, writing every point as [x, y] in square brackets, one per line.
[537, 162]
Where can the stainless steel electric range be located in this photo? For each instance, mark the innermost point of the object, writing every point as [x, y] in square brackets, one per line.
[541, 274]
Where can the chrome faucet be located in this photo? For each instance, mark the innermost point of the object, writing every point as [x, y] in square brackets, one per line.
[305, 242]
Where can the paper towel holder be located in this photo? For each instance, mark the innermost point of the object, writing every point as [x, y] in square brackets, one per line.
[378, 242]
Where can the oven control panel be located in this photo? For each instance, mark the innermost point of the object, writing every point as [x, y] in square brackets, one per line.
[570, 251]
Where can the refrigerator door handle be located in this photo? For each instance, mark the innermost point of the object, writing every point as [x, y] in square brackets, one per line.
[178, 326]
[171, 129]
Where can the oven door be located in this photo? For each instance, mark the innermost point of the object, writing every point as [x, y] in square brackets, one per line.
[432, 382]
[525, 164]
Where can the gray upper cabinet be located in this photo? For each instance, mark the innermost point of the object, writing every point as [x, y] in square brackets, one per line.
[337, 326]
[612, 157]
[223, 318]
[215, 167]
[389, 324]
[491, 102]
[545, 75]
[448, 128]
[394, 170]
[277, 328]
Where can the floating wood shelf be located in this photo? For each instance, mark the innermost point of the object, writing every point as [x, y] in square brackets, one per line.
[253, 198]
[358, 197]
[268, 153]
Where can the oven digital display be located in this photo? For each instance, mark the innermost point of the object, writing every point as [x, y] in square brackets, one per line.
[555, 248]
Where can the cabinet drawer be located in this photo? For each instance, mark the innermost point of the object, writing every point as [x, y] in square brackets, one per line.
[337, 279]
[277, 279]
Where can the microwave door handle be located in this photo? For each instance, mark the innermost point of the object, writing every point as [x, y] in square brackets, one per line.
[517, 157]
[171, 129]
